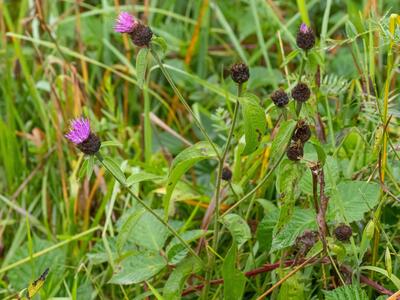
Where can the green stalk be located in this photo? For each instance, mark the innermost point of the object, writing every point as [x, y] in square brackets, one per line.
[183, 101]
[217, 192]
[148, 208]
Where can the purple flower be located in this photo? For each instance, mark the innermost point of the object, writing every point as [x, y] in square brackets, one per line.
[79, 130]
[81, 135]
[304, 28]
[125, 23]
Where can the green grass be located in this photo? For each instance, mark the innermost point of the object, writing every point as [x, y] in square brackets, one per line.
[115, 228]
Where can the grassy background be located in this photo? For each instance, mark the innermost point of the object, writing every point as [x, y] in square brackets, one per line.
[60, 59]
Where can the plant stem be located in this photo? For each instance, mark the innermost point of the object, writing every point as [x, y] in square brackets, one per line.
[148, 208]
[182, 99]
[217, 190]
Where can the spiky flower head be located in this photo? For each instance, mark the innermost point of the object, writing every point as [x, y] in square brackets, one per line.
[302, 132]
[226, 174]
[81, 135]
[125, 23]
[240, 73]
[343, 232]
[301, 92]
[305, 38]
[295, 151]
[141, 35]
[280, 98]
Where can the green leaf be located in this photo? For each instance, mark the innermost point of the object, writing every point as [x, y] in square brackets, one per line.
[346, 292]
[138, 268]
[111, 144]
[301, 220]
[114, 168]
[176, 251]
[234, 280]
[183, 162]
[142, 176]
[392, 277]
[154, 291]
[354, 199]
[148, 232]
[174, 285]
[290, 57]
[292, 288]
[238, 227]
[282, 138]
[24, 274]
[127, 228]
[254, 122]
[265, 230]
[141, 65]
[83, 169]
[287, 185]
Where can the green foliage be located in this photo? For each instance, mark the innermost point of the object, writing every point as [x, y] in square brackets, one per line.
[234, 280]
[254, 122]
[346, 292]
[181, 164]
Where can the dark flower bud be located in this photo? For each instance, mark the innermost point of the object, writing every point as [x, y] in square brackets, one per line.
[141, 35]
[240, 73]
[280, 98]
[301, 92]
[81, 135]
[305, 37]
[295, 151]
[226, 174]
[302, 132]
[91, 145]
[343, 232]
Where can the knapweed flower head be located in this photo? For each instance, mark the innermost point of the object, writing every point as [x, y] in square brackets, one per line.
[81, 135]
[343, 232]
[302, 132]
[280, 98]
[240, 73]
[226, 174]
[125, 23]
[141, 35]
[301, 92]
[305, 37]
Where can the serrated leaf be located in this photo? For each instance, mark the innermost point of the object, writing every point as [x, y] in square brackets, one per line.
[114, 168]
[346, 292]
[265, 230]
[282, 138]
[238, 227]
[354, 199]
[176, 251]
[174, 285]
[301, 220]
[254, 122]
[127, 228]
[286, 183]
[183, 162]
[234, 280]
[141, 65]
[138, 268]
[149, 232]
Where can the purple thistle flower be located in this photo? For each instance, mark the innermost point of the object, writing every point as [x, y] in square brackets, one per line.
[304, 28]
[80, 131]
[125, 23]
[81, 135]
